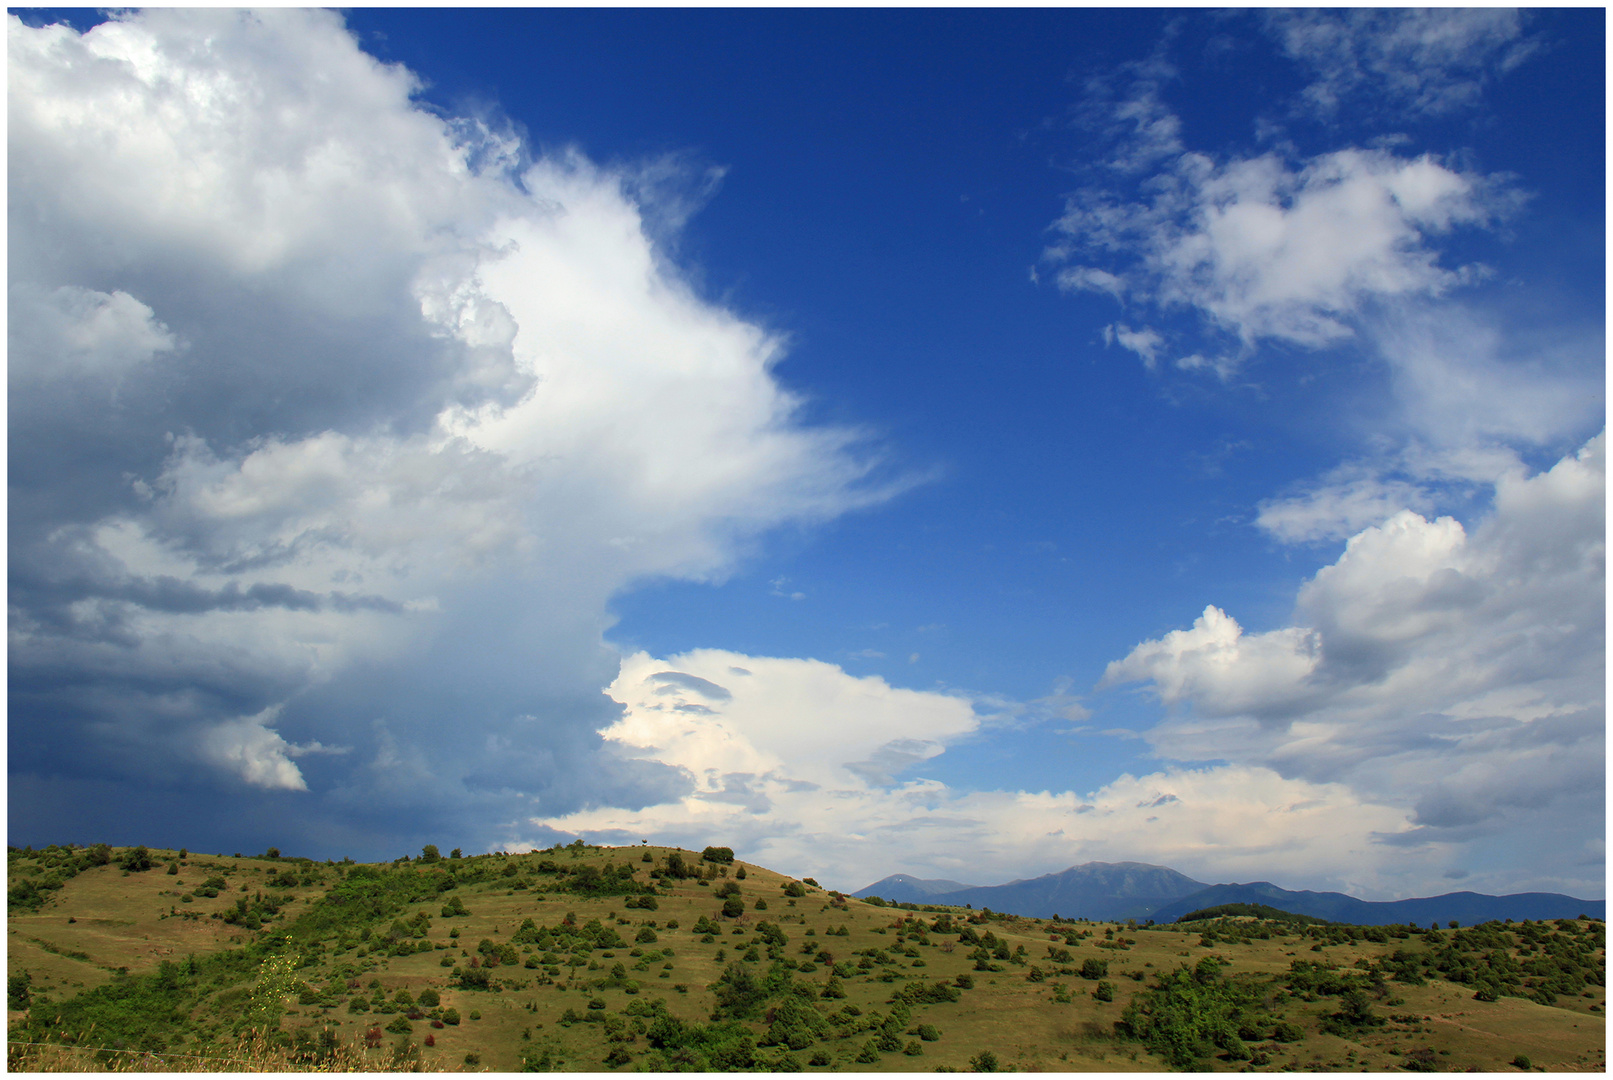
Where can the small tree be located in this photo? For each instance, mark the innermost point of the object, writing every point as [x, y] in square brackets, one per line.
[18, 995]
[136, 859]
[429, 853]
[718, 855]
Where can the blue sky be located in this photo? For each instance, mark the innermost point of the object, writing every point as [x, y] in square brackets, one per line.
[956, 443]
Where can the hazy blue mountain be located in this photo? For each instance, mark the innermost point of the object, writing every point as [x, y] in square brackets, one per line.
[1468, 908]
[1140, 891]
[1092, 890]
[906, 889]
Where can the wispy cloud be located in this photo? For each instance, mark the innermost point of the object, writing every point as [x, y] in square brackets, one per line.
[1403, 62]
[1268, 249]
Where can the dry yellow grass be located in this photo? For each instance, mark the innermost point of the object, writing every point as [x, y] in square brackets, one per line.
[252, 1055]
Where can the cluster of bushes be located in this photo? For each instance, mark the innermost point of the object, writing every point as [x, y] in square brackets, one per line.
[1555, 958]
[1190, 1013]
[34, 875]
[254, 912]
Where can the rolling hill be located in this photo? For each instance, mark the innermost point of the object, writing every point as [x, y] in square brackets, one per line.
[588, 958]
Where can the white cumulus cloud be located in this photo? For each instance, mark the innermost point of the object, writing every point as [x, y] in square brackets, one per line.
[1457, 672]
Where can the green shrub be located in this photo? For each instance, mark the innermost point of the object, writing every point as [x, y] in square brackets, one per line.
[136, 859]
[18, 994]
[1285, 1032]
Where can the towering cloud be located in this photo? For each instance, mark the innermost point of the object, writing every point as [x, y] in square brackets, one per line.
[335, 425]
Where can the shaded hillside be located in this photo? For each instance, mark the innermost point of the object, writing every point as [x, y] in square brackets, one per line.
[1093, 890]
[1468, 908]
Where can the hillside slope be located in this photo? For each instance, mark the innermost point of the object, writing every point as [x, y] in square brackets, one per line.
[595, 959]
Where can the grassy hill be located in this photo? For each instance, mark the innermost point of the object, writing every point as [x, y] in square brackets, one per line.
[599, 959]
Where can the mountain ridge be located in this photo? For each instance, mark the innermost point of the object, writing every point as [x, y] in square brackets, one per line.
[1131, 890]
[1095, 890]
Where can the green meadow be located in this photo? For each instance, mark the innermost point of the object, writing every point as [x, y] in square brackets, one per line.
[585, 958]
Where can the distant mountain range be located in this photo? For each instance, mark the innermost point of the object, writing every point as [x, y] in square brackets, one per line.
[1095, 890]
[1107, 891]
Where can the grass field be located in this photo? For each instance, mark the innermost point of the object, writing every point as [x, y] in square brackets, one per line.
[549, 968]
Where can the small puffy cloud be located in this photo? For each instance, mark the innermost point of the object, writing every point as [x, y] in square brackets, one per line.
[805, 717]
[1456, 672]
[1091, 279]
[1145, 342]
[1223, 670]
[255, 752]
[1406, 62]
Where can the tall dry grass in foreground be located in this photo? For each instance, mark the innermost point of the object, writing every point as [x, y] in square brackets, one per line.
[248, 1056]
